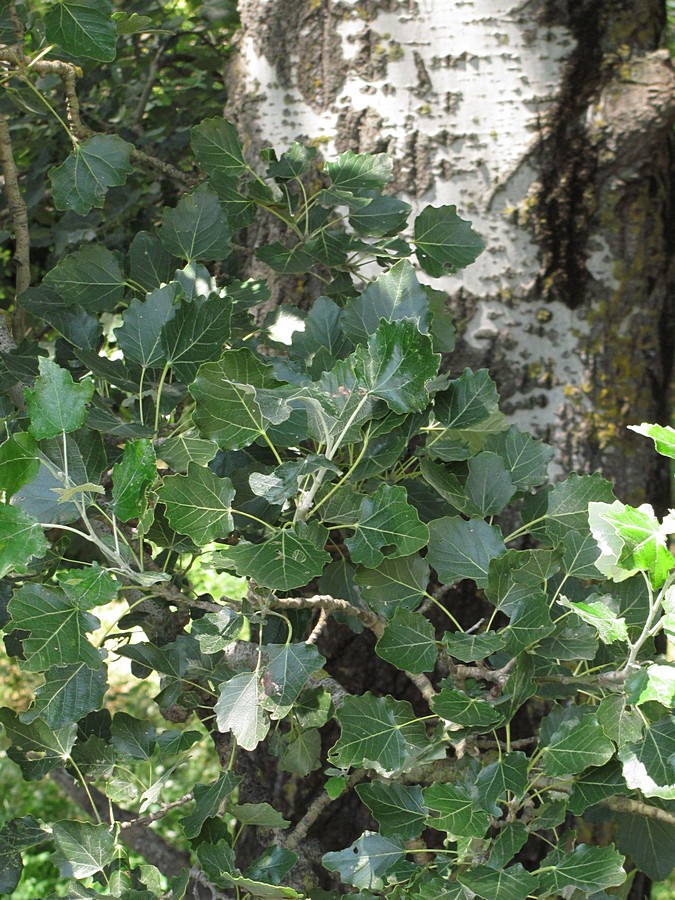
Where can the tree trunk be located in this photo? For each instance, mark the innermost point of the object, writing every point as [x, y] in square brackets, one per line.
[548, 124]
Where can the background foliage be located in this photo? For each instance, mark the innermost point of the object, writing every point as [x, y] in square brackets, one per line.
[200, 495]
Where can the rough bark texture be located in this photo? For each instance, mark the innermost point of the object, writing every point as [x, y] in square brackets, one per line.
[548, 124]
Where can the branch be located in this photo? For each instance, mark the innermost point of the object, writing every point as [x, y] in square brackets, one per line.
[638, 808]
[299, 833]
[370, 620]
[19, 215]
[159, 814]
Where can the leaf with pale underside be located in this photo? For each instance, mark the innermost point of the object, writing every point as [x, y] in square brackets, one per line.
[82, 849]
[649, 764]
[239, 710]
[367, 861]
[21, 539]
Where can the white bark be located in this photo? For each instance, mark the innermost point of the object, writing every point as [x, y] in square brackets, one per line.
[461, 94]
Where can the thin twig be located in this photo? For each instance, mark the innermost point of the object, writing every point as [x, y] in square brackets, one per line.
[19, 215]
[159, 814]
[321, 623]
[165, 168]
[316, 807]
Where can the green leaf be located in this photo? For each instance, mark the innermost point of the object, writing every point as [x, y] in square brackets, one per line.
[514, 883]
[397, 365]
[131, 737]
[596, 785]
[217, 148]
[399, 809]
[488, 487]
[139, 338]
[91, 278]
[473, 647]
[21, 539]
[83, 28]
[303, 754]
[530, 623]
[239, 710]
[460, 549]
[322, 342]
[131, 479]
[464, 415]
[600, 615]
[180, 451]
[286, 260]
[82, 849]
[198, 504]
[648, 764]
[525, 458]
[68, 694]
[444, 241]
[195, 335]
[456, 706]
[653, 682]
[150, 265]
[575, 745]
[217, 630]
[259, 814]
[288, 668]
[388, 523]
[379, 733]
[16, 835]
[631, 540]
[394, 583]
[511, 838]
[57, 404]
[384, 215]
[285, 561]
[284, 482]
[452, 809]
[663, 437]
[197, 228]
[507, 774]
[580, 554]
[649, 842]
[366, 862]
[208, 801]
[232, 406]
[359, 172]
[94, 166]
[56, 628]
[393, 296]
[621, 724]
[408, 642]
[36, 748]
[587, 868]
[296, 161]
[568, 503]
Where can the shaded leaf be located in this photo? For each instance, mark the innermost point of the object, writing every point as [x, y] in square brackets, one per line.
[198, 504]
[83, 28]
[408, 642]
[197, 228]
[452, 809]
[460, 549]
[21, 539]
[456, 706]
[139, 337]
[35, 747]
[514, 883]
[208, 800]
[288, 668]
[68, 694]
[394, 583]
[399, 809]
[576, 745]
[94, 166]
[217, 148]
[91, 278]
[195, 335]
[151, 266]
[388, 523]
